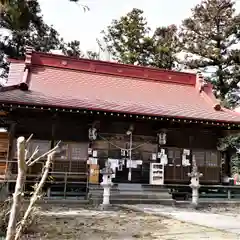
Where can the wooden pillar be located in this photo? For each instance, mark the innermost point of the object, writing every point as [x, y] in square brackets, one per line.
[10, 156]
[11, 135]
[54, 120]
[53, 135]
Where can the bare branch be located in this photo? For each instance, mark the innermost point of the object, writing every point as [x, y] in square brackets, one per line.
[33, 155]
[26, 145]
[29, 139]
[44, 155]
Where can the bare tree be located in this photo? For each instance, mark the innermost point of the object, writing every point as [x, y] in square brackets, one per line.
[14, 232]
[18, 189]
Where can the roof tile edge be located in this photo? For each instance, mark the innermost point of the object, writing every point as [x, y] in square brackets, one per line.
[112, 68]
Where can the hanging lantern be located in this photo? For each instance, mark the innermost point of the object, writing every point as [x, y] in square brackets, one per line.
[92, 134]
[130, 129]
[162, 138]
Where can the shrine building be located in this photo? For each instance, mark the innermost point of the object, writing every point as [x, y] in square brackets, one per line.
[147, 123]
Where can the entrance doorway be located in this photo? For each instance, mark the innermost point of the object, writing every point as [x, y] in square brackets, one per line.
[139, 174]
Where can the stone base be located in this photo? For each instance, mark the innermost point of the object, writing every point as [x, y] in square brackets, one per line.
[105, 207]
[195, 206]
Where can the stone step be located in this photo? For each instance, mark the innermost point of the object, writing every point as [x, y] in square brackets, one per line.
[131, 187]
[123, 196]
[135, 201]
[132, 195]
[125, 190]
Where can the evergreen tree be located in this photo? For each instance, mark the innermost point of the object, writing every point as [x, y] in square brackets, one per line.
[92, 55]
[211, 36]
[129, 41]
[125, 38]
[23, 25]
[166, 46]
[72, 49]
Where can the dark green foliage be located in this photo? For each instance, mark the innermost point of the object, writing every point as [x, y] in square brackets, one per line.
[211, 35]
[126, 38]
[129, 41]
[72, 49]
[93, 55]
[24, 26]
[165, 47]
[231, 144]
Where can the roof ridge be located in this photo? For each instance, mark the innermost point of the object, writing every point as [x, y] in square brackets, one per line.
[54, 55]
[112, 68]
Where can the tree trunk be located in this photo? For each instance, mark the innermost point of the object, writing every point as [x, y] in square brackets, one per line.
[11, 230]
[35, 196]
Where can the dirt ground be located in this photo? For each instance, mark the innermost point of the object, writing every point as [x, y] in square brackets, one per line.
[224, 210]
[85, 223]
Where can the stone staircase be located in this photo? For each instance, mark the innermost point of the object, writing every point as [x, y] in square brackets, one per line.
[131, 194]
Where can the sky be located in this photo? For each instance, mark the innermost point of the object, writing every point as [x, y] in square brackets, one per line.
[74, 24]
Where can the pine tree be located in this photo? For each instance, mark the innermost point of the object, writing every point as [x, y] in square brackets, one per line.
[125, 38]
[72, 49]
[129, 41]
[211, 36]
[24, 26]
[166, 46]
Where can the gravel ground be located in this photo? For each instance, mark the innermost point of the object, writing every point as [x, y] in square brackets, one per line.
[224, 210]
[62, 222]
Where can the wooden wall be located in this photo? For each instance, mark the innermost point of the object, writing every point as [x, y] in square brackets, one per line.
[4, 142]
[74, 128]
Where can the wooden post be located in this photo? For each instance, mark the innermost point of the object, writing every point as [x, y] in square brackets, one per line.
[53, 134]
[18, 189]
[9, 159]
[10, 153]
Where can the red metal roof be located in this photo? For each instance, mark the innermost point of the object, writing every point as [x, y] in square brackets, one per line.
[54, 80]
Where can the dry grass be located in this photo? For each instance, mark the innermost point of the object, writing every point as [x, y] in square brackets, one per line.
[4, 217]
[63, 222]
